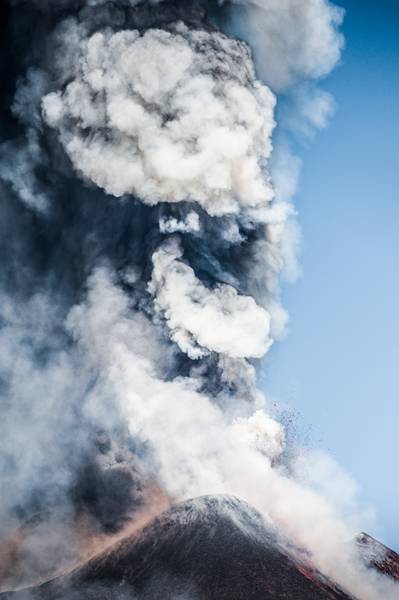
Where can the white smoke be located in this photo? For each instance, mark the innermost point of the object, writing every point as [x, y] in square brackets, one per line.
[189, 224]
[18, 161]
[167, 116]
[19, 172]
[202, 320]
[292, 40]
[193, 437]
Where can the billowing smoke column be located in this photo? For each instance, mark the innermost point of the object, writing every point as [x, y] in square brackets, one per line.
[145, 223]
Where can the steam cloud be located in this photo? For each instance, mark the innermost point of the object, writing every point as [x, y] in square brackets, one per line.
[146, 220]
[132, 118]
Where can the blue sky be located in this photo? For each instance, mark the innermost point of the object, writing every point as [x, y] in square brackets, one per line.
[338, 367]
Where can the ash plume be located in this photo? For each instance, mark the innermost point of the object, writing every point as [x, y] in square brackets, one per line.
[146, 179]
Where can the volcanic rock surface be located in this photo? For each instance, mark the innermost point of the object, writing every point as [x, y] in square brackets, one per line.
[378, 556]
[207, 548]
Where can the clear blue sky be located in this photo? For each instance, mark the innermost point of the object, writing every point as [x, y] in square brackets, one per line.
[339, 365]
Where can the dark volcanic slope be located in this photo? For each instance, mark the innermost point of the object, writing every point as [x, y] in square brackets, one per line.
[378, 556]
[208, 548]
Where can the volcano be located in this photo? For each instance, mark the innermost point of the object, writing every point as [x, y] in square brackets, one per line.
[207, 548]
[378, 556]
